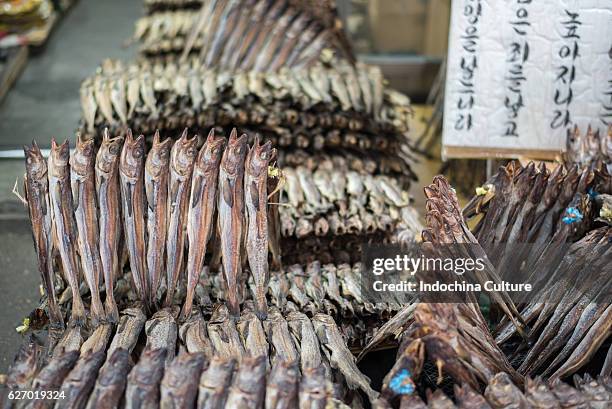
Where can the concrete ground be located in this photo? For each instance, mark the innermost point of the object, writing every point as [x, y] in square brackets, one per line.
[45, 103]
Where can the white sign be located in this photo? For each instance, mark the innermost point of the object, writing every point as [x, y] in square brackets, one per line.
[520, 73]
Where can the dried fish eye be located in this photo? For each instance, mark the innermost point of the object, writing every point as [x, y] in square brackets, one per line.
[137, 153]
[113, 149]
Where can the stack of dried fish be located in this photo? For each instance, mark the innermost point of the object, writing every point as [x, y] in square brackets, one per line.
[245, 34]
[590, 147]
[328, 214]
[342, 109]
[281, 362]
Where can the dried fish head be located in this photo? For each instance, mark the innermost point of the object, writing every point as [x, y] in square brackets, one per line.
[132, 156]
[36, 164]
[83, 158]
[59, 156]
[183, 153]
[108, 153]
[210, 154]
[157, 158]
[258, 158]
[233, 157]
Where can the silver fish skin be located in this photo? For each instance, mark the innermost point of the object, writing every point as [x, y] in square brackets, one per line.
[37, 194]
[302, 329]
[157, 166]
[64, 225]
[215, 383]
[144, 380]
[249, 384]
[256, 201]
[252, 334]
[280, 338]
[131, 172]
[179, 386]
[111, 382]
[201, 209]
[80, 381]
[107, 187]
[182, 157]
[231, 214]
[83, 182]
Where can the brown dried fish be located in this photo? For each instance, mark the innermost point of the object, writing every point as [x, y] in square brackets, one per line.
[282, 388]
[215, 382]
[111, 382]
[157, 166]
[64, 225]
[79, 383]
[82, 165]
[131, 171]
[51, 376]
[130, 325]
[179, 386]
[107, 187]
[200, 213]
[182, 157]
[143, 382]
[231, 214]
[248, 387]
[37, 195]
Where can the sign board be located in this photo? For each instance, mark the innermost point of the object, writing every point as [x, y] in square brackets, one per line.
[520, 73]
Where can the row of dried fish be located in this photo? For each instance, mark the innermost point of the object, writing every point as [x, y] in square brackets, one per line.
[500, 393]
[83, 206]
[328, 98]
[246, 34]
[282, 362]
[365, 162]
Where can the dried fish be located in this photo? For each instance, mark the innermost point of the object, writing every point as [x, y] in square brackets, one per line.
[107, 187]
[111, 382]
[131, 172]
[37, 194]
[256, 200]
[157, 167]
[247, 390]
[179, 386]
[182, 157]
[231, 214]
[82, 165]
[282, 388]
[79, 383]
[215, 382]
[64, 225]
[143, 382]
[201, 210]
[162, 331]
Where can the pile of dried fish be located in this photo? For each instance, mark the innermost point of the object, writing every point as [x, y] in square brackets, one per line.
[281, 362]
[245, 34]
[316, 108]
[566, 252]
[590, 147]
[328, 214]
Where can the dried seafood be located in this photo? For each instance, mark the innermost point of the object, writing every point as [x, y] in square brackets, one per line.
[244, 34]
